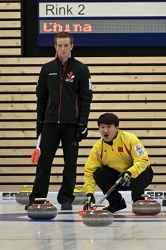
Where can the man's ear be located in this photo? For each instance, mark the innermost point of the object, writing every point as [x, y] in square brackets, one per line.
[56, 54]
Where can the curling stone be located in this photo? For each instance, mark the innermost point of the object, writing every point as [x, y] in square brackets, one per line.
[42, 209]
[80, 196]
[146, 207]
[23, 196]
[97, 218]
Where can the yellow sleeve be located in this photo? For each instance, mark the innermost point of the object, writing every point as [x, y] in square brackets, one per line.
[140, 157]
[93, 162]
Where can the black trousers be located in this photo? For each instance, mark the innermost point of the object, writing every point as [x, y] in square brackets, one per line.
[105, 177]
[52, 134]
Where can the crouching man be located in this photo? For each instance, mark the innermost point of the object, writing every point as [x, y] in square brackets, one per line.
[117, 153]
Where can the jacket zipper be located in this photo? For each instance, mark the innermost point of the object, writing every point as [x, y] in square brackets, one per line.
[48, 104]
[62, 70]
[76, 108]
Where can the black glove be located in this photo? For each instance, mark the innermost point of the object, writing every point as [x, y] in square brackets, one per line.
[39, 126]
[82, 132]
[126, 178]
[89, 201]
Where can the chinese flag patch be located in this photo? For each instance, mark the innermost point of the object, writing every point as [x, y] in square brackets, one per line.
[120, 149]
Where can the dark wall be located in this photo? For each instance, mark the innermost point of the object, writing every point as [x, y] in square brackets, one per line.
[31, 49]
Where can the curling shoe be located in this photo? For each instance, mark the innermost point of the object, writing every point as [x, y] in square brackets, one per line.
[66, 206]
[116, 207]
[28, 205]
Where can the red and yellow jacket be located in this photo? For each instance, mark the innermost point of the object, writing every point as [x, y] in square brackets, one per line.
[125, 153]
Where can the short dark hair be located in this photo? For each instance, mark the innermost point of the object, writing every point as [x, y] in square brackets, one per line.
[64, 34]
[108, 118]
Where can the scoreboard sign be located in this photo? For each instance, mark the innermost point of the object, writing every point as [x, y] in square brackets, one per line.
[108, 23]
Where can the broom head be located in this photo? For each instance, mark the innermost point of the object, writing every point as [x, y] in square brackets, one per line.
[35, 156]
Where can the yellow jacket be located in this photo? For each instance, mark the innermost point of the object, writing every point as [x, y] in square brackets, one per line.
[125, 153]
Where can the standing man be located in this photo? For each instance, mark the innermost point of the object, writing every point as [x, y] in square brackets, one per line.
[117, 153]
[64, 95]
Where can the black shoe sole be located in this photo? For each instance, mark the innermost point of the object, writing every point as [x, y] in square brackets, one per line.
[66, 207]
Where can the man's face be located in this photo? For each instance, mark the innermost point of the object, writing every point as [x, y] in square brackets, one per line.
[108, 132]
[63, 48]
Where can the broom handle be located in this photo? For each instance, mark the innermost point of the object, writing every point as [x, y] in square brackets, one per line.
[38, 142]
[110, 190]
